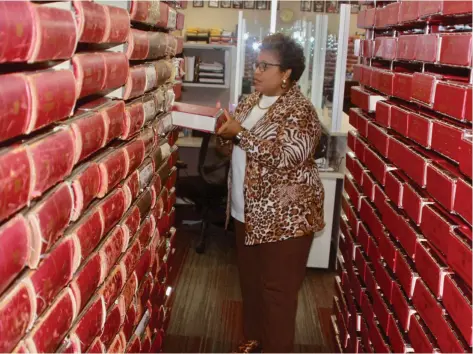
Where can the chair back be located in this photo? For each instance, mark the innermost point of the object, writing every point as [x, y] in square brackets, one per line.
[210, 171]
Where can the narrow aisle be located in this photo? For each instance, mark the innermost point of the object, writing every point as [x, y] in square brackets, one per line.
[206, 315]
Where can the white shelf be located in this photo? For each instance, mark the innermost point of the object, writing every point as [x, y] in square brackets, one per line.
[198, 84]
[207, 46]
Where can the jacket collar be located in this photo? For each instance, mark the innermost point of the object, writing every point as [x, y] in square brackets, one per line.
[254, 98]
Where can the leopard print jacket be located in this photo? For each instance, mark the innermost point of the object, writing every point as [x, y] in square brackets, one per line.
[282, 189]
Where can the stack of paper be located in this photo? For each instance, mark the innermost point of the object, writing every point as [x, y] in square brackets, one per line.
[212, 73]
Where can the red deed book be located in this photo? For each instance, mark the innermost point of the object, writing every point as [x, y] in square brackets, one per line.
[208, 119]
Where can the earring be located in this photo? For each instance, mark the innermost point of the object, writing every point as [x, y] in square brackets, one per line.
[284, 83]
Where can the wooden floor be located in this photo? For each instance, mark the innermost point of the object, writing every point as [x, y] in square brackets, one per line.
[206, 313]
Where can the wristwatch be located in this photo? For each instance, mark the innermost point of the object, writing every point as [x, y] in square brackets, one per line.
[237, 138]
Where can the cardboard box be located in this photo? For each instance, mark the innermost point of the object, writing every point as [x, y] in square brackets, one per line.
[207, 119]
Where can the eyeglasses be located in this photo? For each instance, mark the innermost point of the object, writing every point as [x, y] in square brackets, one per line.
[263, 66]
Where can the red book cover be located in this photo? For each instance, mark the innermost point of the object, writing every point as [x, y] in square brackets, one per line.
[203, 118]
[91, 21]
[18, 312]
[85, 183]
[457, 302]
[16, 44]
[138, 45]
[15, 104]
[53, 96]
[54, 272]
[462, 204]
[91, 323]
[54, 34]
[51, 328]
[14, 235]
[117, 24]
[89, 71]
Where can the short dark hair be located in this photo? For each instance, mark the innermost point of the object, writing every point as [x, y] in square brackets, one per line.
[291, 54]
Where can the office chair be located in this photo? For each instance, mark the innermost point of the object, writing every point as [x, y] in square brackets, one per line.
[208, 190]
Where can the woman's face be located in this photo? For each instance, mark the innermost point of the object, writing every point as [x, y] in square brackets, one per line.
[268, 78]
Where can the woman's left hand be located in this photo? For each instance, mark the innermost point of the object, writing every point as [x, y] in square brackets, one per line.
[230, 129]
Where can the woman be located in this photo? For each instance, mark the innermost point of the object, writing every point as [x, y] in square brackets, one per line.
[276, 196]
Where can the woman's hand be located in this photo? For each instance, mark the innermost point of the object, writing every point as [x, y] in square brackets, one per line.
[230, 129]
